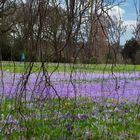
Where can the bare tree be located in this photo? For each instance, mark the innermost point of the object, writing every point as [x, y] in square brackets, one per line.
[69, 31]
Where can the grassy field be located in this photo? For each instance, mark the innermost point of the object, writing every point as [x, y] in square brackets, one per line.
[70, 119]
[64, 67]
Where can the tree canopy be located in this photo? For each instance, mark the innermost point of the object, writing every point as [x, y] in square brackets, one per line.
[130, 48]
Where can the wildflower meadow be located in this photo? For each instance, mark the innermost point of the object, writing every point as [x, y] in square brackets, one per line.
[69, 105]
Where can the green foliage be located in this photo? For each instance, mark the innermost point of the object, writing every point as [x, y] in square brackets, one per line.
[130, 49]
[5, 50]
[9, 51]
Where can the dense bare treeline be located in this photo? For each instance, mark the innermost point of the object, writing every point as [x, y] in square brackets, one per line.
[65, 31]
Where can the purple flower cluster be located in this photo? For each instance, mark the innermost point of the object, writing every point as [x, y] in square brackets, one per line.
[119, 86]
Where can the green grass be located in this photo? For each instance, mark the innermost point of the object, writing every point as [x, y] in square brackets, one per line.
[61, 67]
[70, 119]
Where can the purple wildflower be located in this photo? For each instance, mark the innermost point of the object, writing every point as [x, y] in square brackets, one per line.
[58, 84]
